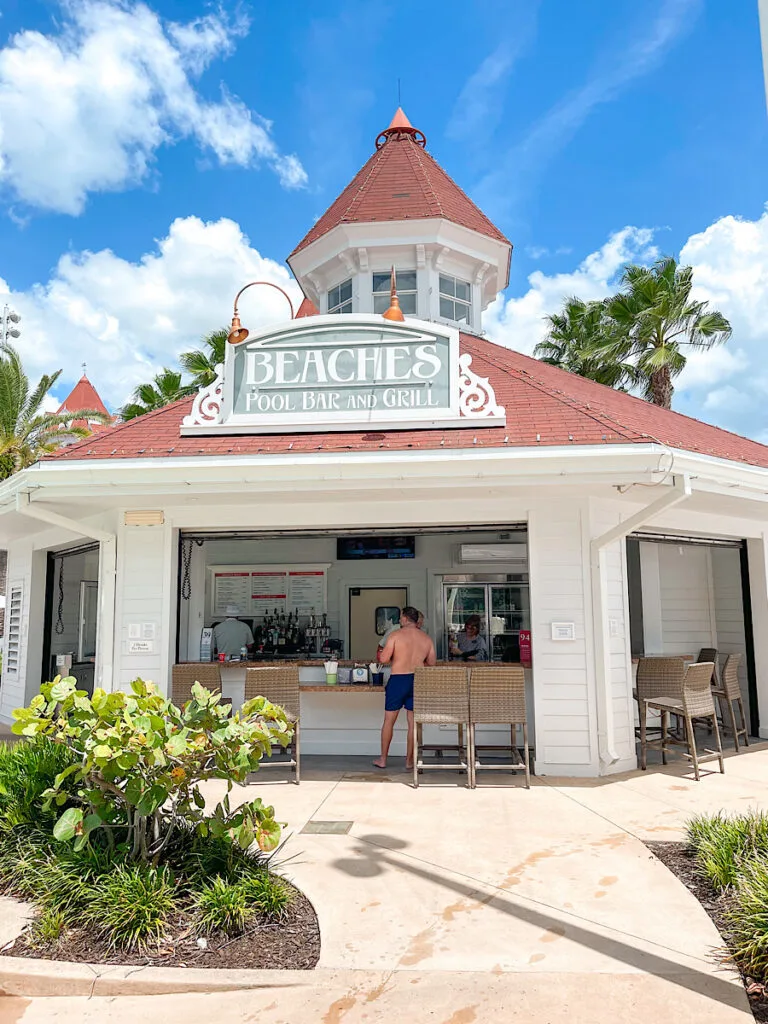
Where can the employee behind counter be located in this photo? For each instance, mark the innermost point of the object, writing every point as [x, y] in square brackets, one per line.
[469, 644]
[231, 635]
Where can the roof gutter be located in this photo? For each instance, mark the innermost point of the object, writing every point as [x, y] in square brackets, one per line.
[105, 632]
[681, 490]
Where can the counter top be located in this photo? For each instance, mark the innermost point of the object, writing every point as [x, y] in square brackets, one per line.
[340, 687]
[320, 662]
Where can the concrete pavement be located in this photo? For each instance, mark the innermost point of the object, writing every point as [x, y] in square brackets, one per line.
[448, 905]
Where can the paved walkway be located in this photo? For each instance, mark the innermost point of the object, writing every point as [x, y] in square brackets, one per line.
[451, 906]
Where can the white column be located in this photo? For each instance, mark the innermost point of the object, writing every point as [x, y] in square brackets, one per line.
[757, 553]
[105, 623]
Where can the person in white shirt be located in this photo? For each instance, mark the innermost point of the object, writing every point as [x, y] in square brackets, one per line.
[231, 635]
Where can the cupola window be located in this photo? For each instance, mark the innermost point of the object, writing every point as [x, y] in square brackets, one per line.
[340, 298]
[406, 291]
[455, 300]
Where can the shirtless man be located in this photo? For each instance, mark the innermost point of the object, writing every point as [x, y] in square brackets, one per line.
[407, 648]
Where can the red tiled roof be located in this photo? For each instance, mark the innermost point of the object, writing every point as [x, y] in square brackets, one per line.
[84, 396]
[401, 181]
[307, 308]
[545, 406]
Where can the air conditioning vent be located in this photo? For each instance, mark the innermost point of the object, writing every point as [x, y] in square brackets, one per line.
[493, 552]
[143, 517]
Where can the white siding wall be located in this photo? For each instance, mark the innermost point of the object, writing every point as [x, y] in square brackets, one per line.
[604, 516]
[562, 670]
[146, 586]
[12, 690]
[684, 616]
[729, 611]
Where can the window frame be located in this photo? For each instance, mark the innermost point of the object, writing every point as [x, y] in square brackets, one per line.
[400, 294]
[454, 299]
[340, 306]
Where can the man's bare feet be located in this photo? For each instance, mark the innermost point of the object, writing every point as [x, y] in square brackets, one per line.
[378, 764]
[408, 767]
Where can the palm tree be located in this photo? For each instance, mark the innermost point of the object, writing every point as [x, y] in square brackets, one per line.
[202, 364]
[26, 431]
[582, 341]
[165, 387]
[657, 317]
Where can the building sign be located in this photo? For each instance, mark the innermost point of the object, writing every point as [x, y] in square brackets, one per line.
[344, 373]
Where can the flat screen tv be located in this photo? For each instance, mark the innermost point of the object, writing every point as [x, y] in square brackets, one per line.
[359, 548]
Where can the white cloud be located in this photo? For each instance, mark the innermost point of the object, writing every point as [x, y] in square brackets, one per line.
[86, 109]
[128, 320]
[727, 385]
[519, 322]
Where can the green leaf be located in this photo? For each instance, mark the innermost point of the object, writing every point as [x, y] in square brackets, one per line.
[61, 690]
[245, 835]
[68, 824]
[139, 687]
[154, 797]
[134, 790]
[65, 775]
[268, 835]
[99, 699]
[101, 750]
[127, 760]
[177, 744]
[198, 797]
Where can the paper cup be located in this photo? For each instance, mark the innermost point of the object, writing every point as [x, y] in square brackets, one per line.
[331, 670]
[330, 678]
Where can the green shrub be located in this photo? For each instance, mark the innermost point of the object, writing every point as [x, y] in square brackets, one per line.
[723, 844]
[221, 906]
[132, 904]
[27, 770]
[47, 928]
[135, 762]
[748, 919]
[267, 894]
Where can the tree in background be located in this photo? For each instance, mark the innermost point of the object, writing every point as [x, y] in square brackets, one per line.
[27, 432]
[635, 338]
[165, 387]
[201, 363]
[576, 338]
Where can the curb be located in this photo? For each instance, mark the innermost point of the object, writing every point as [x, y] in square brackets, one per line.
[24, 976]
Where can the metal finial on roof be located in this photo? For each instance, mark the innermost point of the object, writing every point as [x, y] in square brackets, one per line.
[394, 312]
[84, 368]
[400, 127]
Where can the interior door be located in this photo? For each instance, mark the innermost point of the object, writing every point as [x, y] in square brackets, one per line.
[461, 601]
[509, 614]
[372, 611]
[89, 607]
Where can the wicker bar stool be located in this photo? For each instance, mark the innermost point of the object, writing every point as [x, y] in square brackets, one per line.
[710, 654]
[728, 692]
[657, 677]
[441, 697]
[183, 676]
[696, 701]
[280, 686]
[497, 697]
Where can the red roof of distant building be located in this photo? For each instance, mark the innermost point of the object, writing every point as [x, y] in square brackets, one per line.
[545, 407]
[401, 181]
[84, 396]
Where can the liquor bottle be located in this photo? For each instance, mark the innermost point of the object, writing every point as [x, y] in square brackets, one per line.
[325, 631]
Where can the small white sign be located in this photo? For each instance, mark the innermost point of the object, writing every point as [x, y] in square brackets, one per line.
[134, 630]
[141, 647]
[148, 630]
[563, 630]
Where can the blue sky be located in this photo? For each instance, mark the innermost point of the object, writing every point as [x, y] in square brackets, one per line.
[140, 182]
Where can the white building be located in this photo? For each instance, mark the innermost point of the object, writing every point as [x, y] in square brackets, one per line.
[344, 464]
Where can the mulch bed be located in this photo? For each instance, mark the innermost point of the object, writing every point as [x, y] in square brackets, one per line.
[681, 863]
[293, 943]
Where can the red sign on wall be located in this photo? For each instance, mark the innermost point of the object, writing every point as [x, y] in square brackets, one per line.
[525, 648]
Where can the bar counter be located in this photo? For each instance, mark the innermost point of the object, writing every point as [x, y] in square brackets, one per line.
[350, 722]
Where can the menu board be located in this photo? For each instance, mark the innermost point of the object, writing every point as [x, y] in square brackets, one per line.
[268, 592]
[231, 588]
[258, 590]
[306, 588]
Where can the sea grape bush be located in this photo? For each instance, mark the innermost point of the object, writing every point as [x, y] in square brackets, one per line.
[139, 760]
